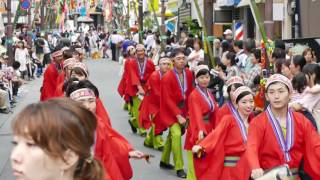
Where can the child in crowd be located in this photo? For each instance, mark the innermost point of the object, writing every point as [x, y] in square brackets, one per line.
[300, 89]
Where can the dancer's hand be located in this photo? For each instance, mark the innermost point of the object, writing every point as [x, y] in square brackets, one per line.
[196, 149]
[136, 154]
[256, 173]
[200, 135]
[181, 119]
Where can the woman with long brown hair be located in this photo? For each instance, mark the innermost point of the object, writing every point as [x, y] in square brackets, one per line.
[54, 140]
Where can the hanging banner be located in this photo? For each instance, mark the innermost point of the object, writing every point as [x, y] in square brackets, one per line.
[153, 5]
[3, 6]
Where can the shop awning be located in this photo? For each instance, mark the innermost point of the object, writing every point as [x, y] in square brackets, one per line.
[84, 19]
[243, 3]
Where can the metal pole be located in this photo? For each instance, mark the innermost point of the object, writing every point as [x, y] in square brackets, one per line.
[9, 33]
[208, 13]
[42, 16]
[140, 21]
[163, 27]
[29, 28]
[268, 22]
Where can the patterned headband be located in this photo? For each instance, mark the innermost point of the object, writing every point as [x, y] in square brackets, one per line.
[241, 90]
[82, 66]
[56, 54]
[69, 62]
[235, 80]
[83, 93]
[199, 68]
[279, 78]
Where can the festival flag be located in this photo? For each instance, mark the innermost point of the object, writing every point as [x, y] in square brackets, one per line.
[153, 5]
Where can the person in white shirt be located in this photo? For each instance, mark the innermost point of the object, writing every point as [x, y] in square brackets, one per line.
[241, 56]
[21, 56]
[116, 39]
[196, 56]
[150, 40]
[135, 38]
[46, 52]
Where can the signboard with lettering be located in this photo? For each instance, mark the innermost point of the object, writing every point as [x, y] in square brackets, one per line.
[3, 6]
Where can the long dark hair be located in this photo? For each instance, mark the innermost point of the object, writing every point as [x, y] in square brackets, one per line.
[310, 69]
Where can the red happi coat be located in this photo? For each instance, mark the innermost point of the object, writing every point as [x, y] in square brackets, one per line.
[113, 151]
[263, 150]
[60, 82]
[171, 96]
[49, 82]
[198, 109]
[110, 143]
[134, 76]
[123, 81]
[223, 111]
[225, 140]
[103, 152]
[102, 112]
[150, 104]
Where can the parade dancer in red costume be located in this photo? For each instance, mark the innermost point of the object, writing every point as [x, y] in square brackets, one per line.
[123, 82]
[50, 77]
[149, 109]
[221, 154]
[110, 147]
[202, 114]
[139, 71]
[176, 86]
[232, 84]
[280, 136]
[64, 75]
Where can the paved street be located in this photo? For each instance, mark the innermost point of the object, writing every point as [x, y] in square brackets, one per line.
[105, 75]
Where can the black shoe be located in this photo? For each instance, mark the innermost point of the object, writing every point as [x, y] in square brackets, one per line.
[181, 174]
[166, 166]
[143, 134]
[134, 130]
[5, 111]
[160, 148]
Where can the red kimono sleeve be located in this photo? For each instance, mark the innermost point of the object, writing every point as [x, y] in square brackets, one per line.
[255, 136]
[122, 83]
[104, 153]
[144, 112]
[223, 111]
[120, 149]
[49, 82]
[102, 112]
[312, 150]
[211, 165]
[167, 97]
[196, 123]
[153, 87]
[210, 142]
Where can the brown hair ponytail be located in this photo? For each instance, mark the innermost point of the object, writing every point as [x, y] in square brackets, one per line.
[89, 170]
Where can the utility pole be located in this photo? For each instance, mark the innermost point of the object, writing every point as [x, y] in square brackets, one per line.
[163, 27]
[42, 16]
[9, 40]
[206, 43]
[208, 14]
[268, 21]
[140, 20]
[29, 29]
